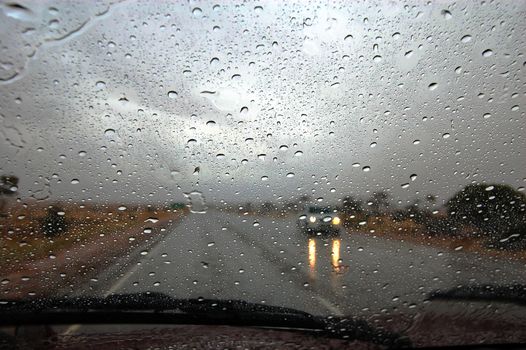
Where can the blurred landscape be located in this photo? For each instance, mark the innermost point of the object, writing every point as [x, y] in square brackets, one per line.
[80, 240]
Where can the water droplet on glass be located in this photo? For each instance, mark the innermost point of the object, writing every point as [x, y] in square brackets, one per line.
[197, 12]
[290, 175]
[109, 133]
[446, 135]
[377, 58]
[75, 181]
[466, 38]
[486, 115]
[487, 53]
[413, 177]
[298, 153]
[366, 168]
[172, 94]
[446, 14]
[432, 86]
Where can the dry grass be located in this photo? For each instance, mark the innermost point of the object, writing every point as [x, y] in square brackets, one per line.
[23, 241]
[412, 232]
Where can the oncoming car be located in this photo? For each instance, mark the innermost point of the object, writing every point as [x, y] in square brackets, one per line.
[320, 221]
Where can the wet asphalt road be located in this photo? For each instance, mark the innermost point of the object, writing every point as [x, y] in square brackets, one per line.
[269, 260]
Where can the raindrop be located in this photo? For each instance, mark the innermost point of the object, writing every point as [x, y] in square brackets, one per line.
[100, 85]
[197, 12]
[264, 178]
[75, 181]
[446, 135]
[290, 175]
[487, 53]
[486, 115]
[377, 58]
[406, 185]
[466, 38]
[416, 142]
[220, 156]
[355, 165]
[211, 244]
[373, 144]
[255, 224]
[432, 86]
[121, 208]
[366, 168]
[210, 123]
[298, 153]
[147, 230]
[109, 133]
[446, 14]
[408, 54]
[283, 147]
[489, 188]
[413, 177]
[82, 154]
[172, 94]
[515, 108]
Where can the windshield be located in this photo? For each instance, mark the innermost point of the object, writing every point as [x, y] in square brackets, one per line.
[173, 148]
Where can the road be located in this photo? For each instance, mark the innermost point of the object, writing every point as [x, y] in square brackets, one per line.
[268, 260]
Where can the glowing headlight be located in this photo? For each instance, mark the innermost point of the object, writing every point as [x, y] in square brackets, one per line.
[312, 219]
[335, 220]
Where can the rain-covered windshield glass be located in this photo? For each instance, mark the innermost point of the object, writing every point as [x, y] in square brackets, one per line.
[174, 146]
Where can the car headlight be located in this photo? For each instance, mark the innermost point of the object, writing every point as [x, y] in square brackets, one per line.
[336, 220]
[312, 219]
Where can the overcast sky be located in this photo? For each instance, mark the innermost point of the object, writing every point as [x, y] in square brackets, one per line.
[143, 102]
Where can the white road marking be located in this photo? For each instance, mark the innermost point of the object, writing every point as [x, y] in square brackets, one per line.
[71, 329]
[121, 281]
[335, 311]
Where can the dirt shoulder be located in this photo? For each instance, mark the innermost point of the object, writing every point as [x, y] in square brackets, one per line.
[73, 265]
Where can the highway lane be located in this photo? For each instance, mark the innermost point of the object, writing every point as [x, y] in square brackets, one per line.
[268, 260]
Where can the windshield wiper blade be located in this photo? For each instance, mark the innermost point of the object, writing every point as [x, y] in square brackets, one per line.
[150, 307]
[512, 293]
